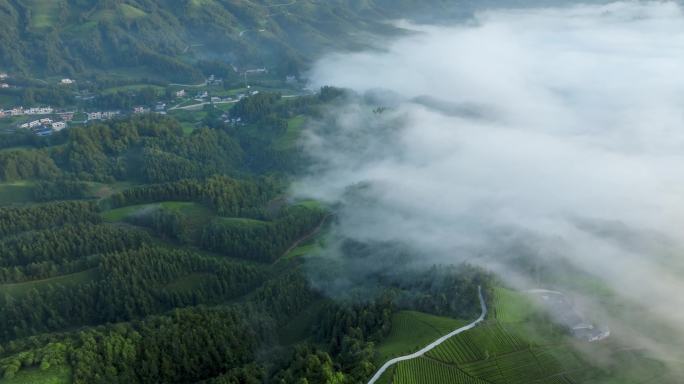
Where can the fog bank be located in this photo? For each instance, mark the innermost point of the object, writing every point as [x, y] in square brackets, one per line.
[555, 134]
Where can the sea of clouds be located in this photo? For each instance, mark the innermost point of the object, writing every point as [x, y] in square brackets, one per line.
[557, 133]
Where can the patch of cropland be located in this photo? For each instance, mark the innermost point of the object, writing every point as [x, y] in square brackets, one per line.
[519, 345]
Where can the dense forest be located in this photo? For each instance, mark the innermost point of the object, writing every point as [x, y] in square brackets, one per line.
[145, 253]
[180, 40]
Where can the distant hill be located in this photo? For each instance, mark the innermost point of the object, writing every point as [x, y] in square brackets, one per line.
[177, 39]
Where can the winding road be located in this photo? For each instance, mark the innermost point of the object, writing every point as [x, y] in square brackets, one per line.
[435, 343]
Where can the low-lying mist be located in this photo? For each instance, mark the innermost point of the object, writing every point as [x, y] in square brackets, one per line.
[552, 134]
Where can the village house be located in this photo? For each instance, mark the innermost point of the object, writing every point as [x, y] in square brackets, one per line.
[101, 115]
[215, 99]
[3, 75]
[213, 80]
[140, 110]
[58, 126]
[16, 111]
[258, 70]
[39, 111]
[160, 107]
[180, 93]
[66, 81]
[4, 85]
[31, 124]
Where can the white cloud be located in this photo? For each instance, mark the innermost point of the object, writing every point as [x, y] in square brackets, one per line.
[561, 127]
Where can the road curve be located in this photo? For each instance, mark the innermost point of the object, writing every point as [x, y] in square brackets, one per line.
[435, 343]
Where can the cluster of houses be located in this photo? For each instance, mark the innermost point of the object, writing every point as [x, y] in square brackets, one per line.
[3, 77]
[107, 115]
[213, 80]
[256, 71]
[20, 111]
[102, 115]
[44, 127]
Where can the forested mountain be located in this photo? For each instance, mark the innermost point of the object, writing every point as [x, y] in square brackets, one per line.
[143, 250]
[176, 39]
[152, 236]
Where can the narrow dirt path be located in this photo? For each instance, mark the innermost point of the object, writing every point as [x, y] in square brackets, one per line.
[307, 236]
[435, 343]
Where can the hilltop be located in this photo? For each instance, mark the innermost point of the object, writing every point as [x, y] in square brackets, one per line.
[176, 39]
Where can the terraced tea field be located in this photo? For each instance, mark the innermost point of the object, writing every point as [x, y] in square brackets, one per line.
[516, 347]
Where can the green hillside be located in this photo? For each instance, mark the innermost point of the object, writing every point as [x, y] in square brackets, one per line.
[519, 347]
[168, 39]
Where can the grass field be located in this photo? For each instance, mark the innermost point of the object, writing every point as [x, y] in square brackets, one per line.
[133, 88]
[54, 375]
[412, 331]
[43, 12]
[130, 12]
[15, 192]
[515, 347]
[511, 306]
[482, 343]
[195, 212]
[291, 137]
[428, 371]
[241, 222]
[21, 289]
[303, 250]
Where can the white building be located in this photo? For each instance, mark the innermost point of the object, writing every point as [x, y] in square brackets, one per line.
[4, 85]
[66, 81]
[258, 70]
[180, 93]
[45, 121]
[58, 126]
[3, 75]
[39, 111]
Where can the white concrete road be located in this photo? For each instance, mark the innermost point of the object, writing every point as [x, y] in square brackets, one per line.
[435, 343]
